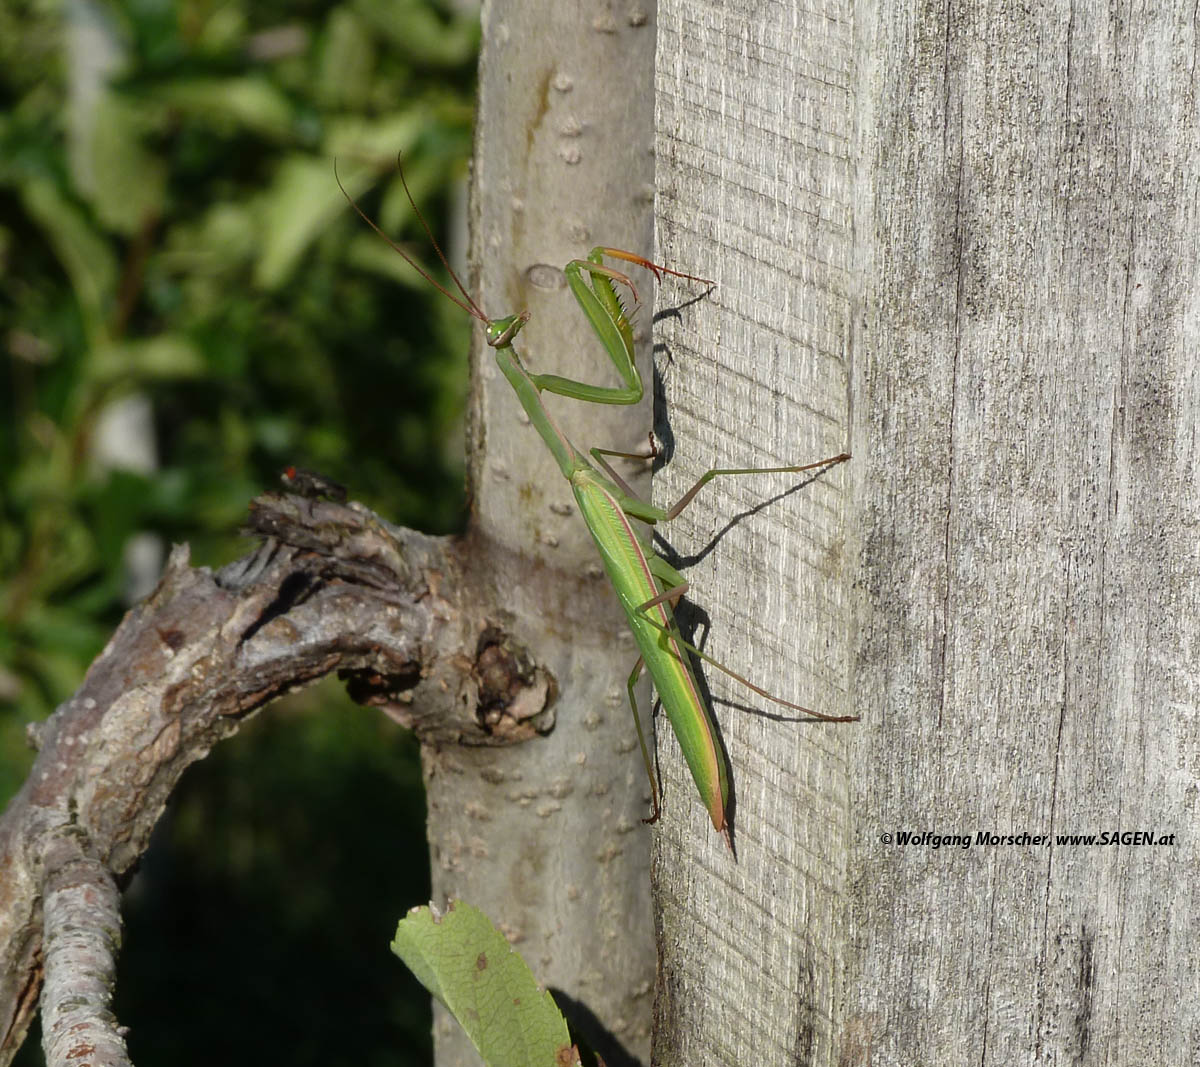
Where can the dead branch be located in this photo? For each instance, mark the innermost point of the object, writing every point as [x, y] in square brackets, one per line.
[332, 587]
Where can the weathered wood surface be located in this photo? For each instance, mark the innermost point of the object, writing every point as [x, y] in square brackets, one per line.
[964, 240]
[755, 183]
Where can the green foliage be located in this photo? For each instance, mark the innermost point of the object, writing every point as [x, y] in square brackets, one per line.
[464, 961]
[174, 247]
[171, 232]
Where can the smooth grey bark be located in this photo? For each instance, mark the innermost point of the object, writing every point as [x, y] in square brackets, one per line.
[984, 220]
[547, 837]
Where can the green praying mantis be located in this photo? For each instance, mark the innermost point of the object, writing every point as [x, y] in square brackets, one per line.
[647, 586]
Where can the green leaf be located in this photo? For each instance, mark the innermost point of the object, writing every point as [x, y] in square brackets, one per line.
[164, 358]
[464, 961]
[303, 200]
[84, 254]
[252, 103]
[376, 140]
[128, 183]
[417, 30]
[347, 68]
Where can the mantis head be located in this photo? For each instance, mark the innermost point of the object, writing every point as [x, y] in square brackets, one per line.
[500, 332]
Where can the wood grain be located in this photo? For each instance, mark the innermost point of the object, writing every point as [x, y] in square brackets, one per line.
[985, 220]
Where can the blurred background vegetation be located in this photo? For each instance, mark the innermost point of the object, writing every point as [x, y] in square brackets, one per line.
[188, 305]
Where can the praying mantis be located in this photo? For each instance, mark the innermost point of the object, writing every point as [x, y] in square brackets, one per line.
[647, 586]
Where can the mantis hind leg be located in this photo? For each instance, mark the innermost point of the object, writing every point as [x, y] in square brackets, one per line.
[634, 675]
[666, 573]
[718, 472]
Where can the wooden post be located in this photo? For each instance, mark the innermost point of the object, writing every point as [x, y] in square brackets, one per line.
[962, 241]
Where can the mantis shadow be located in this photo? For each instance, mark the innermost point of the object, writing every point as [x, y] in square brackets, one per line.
[584, 1025]
[662, 427]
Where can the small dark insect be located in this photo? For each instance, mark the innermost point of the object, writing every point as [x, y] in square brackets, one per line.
[311, 484]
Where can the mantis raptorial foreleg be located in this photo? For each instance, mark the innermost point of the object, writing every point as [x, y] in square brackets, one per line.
[647, 587]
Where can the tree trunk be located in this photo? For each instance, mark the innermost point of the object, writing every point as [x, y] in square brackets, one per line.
[983, 222]
[547, 837]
